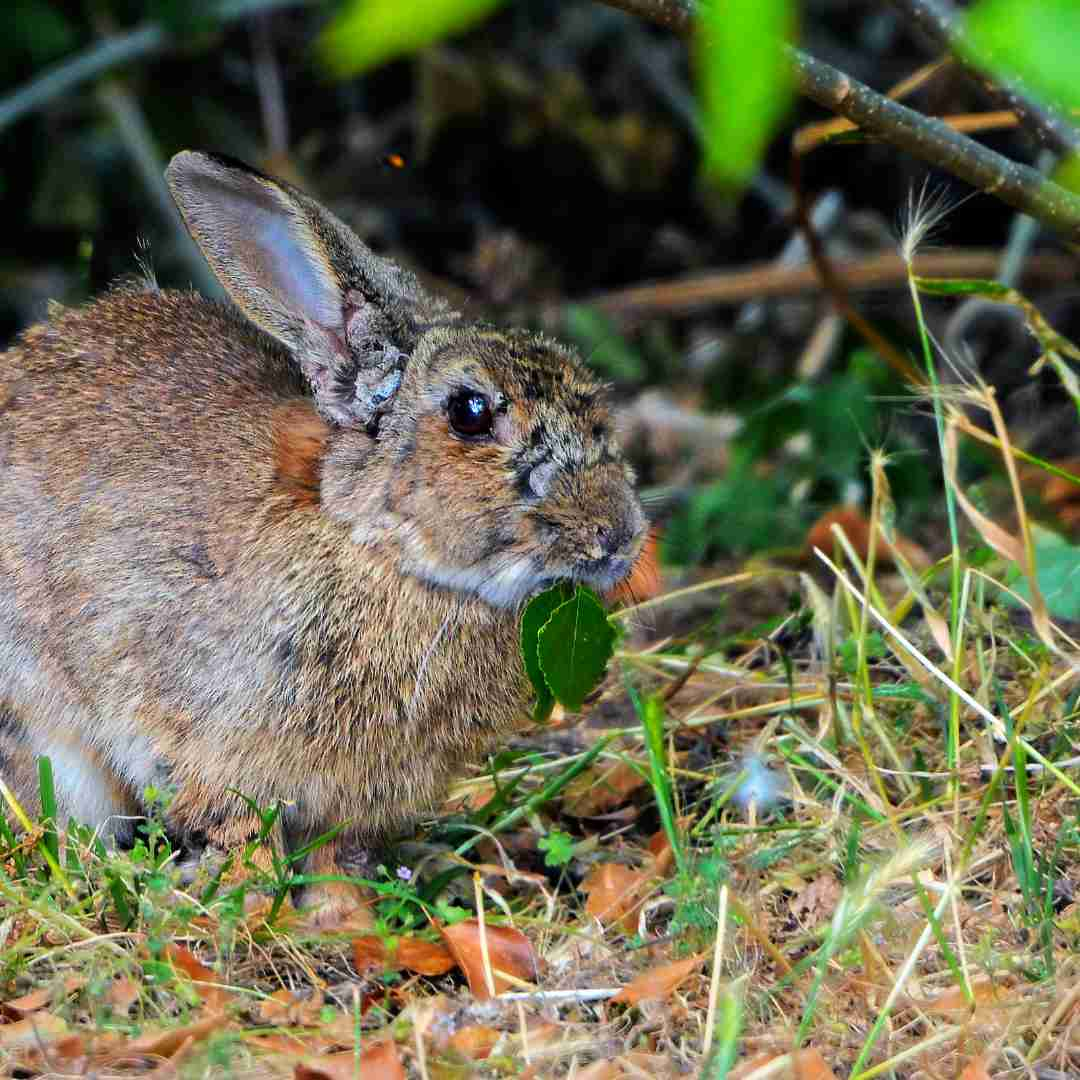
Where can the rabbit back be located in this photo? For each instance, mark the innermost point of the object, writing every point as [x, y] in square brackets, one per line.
[175, 602]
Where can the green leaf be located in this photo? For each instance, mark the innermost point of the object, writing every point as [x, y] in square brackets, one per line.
[367, 33]
[607, 350]
[1057, 571]
[1035, 40]
[537, 612]
[558, 848]
[574, 647]
[744, 82]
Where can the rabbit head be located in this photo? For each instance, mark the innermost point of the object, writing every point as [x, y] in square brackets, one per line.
[487, 456]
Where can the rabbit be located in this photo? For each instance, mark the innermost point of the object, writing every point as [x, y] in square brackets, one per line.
[280, 549]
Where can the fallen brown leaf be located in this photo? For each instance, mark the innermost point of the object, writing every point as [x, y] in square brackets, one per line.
[601, 1070]
[659, 982]
[37, 1028]
[411, 953]
[166, 1043]
[952, 1002]
[975, 1069]
[20, 1007]
[601, 788]
[614, 893]
[379, 1062]
[509, 951]
[122, 994]
[808, 1064]
[291, 1008]
[857, 529]
[424, 957]
[213, 997]
[474, 1042]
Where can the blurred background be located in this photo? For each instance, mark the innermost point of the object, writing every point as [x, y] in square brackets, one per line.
[541, 163]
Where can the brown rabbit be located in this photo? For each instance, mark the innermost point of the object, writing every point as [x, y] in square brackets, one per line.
[283, 551]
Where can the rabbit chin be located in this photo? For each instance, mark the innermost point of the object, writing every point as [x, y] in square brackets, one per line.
[506, 583]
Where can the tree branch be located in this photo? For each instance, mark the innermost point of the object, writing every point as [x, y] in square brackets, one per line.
[924, 137]
[938, 19]
[935, 142]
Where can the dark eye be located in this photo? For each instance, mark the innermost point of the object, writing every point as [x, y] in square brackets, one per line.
[470, 413]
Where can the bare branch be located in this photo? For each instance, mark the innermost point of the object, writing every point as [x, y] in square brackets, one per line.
[924, 137]
[938, 19]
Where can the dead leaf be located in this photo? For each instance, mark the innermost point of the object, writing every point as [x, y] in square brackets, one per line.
[601, 1070]
[166, 1043]
[215, 998]
[475, 1042]
[20, 1007]
[808, 1064]
[857, 529]
[954, 1003]
[614, 893]
[659, 982]
[975, 1069]
[817, 900]
[424, 957]
[508, 950]
[379, 1062]
[601, 788]
[293, 1008]
[37, 1028]
[370, 953]
[122, 994]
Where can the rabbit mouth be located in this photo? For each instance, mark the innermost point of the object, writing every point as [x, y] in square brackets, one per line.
[603, 574]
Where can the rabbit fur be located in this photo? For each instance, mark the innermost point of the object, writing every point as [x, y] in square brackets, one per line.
[243, 549]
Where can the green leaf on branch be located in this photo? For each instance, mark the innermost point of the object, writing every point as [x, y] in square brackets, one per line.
[1034, 40]
[367, 33]
[744, 82]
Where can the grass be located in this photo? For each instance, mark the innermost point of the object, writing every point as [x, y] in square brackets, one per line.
[877, 787]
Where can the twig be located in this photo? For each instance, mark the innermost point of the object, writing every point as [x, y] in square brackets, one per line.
[939, 21]
[271, 90]
[935, 142]
[925, 137]
[881, 270]
[837, 290]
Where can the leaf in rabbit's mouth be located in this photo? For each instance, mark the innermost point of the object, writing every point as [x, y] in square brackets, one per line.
[567, 641]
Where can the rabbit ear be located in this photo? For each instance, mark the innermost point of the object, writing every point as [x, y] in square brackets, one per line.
[350, 317]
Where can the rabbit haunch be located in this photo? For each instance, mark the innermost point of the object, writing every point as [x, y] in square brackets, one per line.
[224, 567]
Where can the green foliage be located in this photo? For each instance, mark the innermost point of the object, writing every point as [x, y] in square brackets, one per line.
[558, 848]
[744, 82]
[1037, 41]
[367, 33]
[534, 618]
[605, 349]
[37, 29]
[1057, 571]
[815, 437]
[651, 713]
[566, 643]
[849, 650]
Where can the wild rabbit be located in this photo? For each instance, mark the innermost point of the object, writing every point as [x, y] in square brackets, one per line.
[283, 551]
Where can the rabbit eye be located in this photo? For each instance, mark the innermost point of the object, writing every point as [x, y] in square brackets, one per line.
[470, 413]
